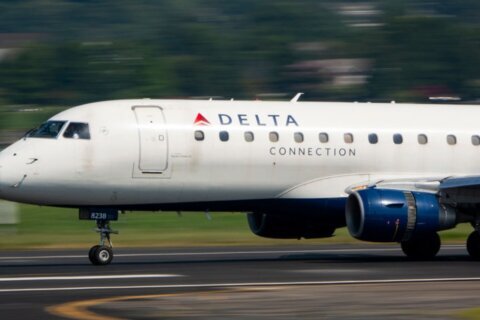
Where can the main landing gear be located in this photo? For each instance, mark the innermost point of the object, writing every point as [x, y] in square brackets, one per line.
[102, 254]
[426, 247]
[423, 247]
[473, 240]
[473, 245]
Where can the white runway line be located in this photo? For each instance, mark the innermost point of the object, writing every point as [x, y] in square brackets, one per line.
[247, 284]
[120, 276]
[232, 253]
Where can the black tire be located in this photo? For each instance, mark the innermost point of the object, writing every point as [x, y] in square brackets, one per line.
[91, 254]
[473, 245]
[102, 256]
[422, 248]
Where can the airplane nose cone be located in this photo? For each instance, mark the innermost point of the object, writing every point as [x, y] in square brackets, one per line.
[1, 184]
[1, 175]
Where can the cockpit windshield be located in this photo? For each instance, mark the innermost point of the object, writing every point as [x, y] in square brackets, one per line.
[49, 130]
[77, 130]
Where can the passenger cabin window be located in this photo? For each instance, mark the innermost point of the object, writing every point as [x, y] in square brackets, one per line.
[77, 130]
[422, 138]
[451, 139]
[199, 135]
[273, 136]
[224, 136]
[373, 138]
[249, 136]
[475, 140]
[48, 130]
[298, 137]
[323, 136]
[348, 138]
[397, 138]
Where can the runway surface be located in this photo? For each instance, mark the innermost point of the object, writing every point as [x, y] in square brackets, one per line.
[304, 282]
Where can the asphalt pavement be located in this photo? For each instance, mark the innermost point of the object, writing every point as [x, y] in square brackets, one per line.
[275, 282]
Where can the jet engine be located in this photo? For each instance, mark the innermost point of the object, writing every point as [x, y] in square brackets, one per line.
[288, 226]
[384, 215]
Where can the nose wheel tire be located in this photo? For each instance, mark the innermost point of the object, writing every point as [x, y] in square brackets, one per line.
[422, 248]
[473, 245]
[91, 253]
[100, 255]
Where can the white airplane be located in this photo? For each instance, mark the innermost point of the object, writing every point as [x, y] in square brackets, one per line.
[390, 172]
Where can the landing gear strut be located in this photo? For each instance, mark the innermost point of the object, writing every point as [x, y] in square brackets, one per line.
[102, 254]
[423, 247]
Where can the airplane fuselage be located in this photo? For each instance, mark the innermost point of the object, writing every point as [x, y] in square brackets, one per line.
[237, 155]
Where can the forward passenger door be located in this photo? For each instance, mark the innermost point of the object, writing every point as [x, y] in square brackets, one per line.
[153, 139]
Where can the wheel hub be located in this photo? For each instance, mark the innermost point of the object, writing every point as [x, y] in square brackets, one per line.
[104, 255]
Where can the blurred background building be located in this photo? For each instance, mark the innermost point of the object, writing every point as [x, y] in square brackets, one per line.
[60, 53]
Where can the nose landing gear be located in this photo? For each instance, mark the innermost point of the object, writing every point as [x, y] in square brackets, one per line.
[102, 254]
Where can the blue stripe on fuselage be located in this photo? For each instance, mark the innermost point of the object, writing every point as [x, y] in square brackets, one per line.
[331, 210]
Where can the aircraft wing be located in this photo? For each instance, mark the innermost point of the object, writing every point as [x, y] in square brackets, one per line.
[461, 190]
[472, 182]
[453, 190]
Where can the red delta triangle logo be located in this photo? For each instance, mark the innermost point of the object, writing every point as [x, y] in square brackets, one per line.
[200, 120]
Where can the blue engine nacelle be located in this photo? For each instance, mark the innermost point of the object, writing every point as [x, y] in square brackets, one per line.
[384, 215]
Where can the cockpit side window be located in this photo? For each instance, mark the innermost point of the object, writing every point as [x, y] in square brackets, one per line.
[48, 130]
[77, 130]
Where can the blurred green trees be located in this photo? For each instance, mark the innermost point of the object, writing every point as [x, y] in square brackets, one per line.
[342, 50]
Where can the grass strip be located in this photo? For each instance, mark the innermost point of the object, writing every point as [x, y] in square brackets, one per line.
[44, 227]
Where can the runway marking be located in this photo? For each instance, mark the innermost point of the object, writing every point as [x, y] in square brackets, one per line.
[217, 253]
[79, 309]
[240, 284]
[106, 277]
